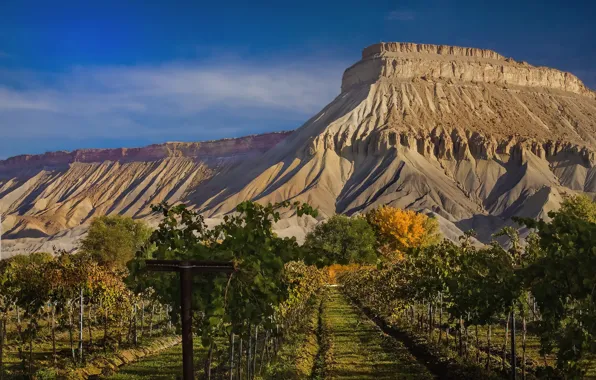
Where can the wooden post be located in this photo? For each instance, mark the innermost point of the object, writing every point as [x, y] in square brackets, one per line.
[232, 357]
[513, 358]
[187, 269]
[1, 349]
[254, 365]
[186, 315]
[81, 314]
[240, 360]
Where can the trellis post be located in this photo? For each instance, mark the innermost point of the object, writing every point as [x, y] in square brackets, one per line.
[187, 268]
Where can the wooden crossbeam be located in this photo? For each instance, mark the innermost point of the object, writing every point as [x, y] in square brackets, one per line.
[196, 266]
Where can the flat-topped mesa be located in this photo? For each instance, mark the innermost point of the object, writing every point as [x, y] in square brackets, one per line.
[388, 48]
[399, 62]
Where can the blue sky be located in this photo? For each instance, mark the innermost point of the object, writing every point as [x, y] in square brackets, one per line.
[81, 74]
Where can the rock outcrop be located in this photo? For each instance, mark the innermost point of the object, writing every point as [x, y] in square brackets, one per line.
[405, 61]
[216, 149]
[464, 134]
[44, 194]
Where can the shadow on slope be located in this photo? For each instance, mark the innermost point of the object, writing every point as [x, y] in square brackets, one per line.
[211, 195]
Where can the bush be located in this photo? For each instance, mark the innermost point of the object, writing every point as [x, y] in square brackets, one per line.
[341, 240]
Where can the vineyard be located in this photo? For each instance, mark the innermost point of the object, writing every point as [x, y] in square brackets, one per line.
[403, 302]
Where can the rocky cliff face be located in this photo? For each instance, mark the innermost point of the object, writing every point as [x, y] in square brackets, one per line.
[45, 194]
[465, 134]
[405, 61]
[217, 149]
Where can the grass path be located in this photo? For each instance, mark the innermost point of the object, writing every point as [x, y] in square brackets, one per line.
[358, 348]
[164, 365]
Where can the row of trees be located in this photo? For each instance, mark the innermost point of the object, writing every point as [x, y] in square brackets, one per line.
[243, 317]
[240, 317]
[88, 290]
[463, 285]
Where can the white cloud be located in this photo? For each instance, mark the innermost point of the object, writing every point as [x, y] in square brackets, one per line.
[401, 15]
[14, 100]
[164, 101]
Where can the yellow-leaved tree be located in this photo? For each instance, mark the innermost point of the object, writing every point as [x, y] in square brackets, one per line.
[398, 230]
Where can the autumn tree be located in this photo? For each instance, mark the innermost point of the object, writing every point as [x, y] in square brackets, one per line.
[114, 240]
[398, 230]
[341, 240]
[580, 207]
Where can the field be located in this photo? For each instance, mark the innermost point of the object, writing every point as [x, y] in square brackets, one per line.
[16, 356]
[165, 365]
[342, 342]
[411, 306]
[354, 348]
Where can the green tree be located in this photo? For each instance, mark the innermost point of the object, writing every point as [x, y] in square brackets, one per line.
[341, 240]
[222, 305]
[33, 295]
[114, 240]
[562, 279]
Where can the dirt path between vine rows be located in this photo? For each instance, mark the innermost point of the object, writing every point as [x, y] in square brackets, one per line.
[358, 349]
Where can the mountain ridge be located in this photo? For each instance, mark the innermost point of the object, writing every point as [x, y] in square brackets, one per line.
[463, 134]
[453, 147]
[200, 149]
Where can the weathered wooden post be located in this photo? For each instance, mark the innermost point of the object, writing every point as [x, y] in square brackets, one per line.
[187, 268]
[513, 353]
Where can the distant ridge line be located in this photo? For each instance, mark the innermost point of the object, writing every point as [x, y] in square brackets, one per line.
[231, 145]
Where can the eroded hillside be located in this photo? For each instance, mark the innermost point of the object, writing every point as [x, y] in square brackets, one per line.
[465, 134]
[42, 195]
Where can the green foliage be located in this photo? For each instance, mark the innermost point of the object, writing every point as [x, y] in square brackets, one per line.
[580, 207]
[341, 240]
[33, 285]
[484, 285]
[114, 240]
[46, 374]
[270, 288]
[260, 256]
[296, 358]
[561, 277]
[428, 270]
[468, 285]
[262, 282]
[274, 287]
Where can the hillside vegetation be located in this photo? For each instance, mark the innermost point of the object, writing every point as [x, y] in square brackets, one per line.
[409, 304]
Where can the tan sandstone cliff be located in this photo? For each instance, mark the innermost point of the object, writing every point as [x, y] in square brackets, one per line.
[44, 194]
